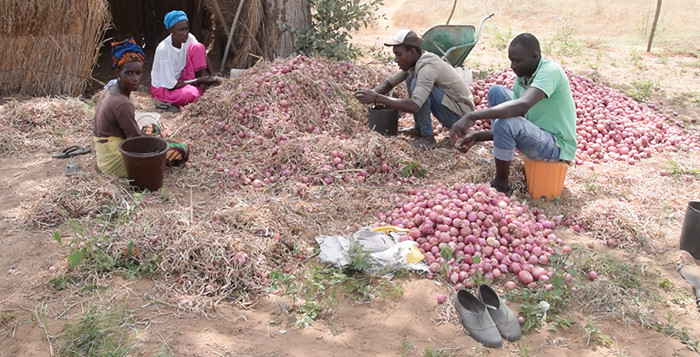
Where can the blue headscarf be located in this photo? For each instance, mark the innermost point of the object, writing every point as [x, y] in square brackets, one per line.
[126, 51]
[174, 17]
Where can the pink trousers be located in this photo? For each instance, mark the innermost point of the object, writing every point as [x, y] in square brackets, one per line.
[196, 61]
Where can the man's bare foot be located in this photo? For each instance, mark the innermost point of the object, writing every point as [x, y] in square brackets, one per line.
[411, 132]
[425, 143]
[501, 187]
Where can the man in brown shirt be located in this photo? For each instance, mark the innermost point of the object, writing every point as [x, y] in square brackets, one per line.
[433, 87]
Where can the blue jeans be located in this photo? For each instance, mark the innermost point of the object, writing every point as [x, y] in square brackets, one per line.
[433, 105]
[518, 132]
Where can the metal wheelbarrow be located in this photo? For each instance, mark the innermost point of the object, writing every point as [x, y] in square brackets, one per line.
[452, 42]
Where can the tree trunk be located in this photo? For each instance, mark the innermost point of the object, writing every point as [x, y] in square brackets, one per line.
[295, 13]
[653, 25]
[256, 34]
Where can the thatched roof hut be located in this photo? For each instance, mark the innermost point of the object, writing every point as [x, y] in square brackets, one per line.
[50, 47]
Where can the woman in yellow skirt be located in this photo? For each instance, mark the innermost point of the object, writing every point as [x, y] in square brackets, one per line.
[115, 120]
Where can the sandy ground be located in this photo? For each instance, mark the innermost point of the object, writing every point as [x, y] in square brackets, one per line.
[385, 327]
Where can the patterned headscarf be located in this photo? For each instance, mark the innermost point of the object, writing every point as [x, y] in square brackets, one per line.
[174, 17]
[126, 51]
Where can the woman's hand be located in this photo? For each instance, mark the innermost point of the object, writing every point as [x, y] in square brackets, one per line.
[206, 81]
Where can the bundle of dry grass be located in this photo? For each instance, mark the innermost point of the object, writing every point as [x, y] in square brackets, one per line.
[203, 256]
[637, 208]
[84, 198]
[49, 47]
[43, 125]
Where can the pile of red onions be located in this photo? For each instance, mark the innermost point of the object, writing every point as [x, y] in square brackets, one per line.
[610, 126]
[292, 121]
[453, 225]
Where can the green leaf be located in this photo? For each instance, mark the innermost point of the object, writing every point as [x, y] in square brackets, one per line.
[530, 323]
[57, 237]
[129, 249]
[476, 259]
[332, 21]
[557, 281]
[412, 168]
[75, 258]
[446, 252]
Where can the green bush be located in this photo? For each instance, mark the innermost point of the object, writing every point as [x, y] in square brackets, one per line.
[642, 90]
[332, 22]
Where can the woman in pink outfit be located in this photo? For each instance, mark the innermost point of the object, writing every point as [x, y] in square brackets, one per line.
[180, 73]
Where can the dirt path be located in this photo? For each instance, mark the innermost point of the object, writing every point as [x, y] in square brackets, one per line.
[406, 325]
[32, 314]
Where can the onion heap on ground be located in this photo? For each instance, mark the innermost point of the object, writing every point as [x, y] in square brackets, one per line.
[292, 121]
[609, 125]
[454, 225]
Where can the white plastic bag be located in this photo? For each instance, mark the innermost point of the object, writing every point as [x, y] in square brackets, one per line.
[387, 254]
[465, 74]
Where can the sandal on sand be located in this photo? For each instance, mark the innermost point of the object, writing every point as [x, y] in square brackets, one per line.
[73, 169]
[168, 107]
[70, 151]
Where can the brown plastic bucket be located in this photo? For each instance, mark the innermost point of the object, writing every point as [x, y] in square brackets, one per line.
[383, 120]
[690, 235]
[144, 159]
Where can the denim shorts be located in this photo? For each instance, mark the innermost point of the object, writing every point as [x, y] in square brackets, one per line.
[519, 133]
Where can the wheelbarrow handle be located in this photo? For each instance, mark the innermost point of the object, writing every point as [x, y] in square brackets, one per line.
[481, 23]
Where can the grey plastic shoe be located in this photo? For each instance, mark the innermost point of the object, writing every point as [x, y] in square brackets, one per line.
[476, 319]
[504, 318]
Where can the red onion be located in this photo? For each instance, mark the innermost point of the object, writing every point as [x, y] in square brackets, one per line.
[610, 126]
[525, 277]
[475, 220]
[538, 272]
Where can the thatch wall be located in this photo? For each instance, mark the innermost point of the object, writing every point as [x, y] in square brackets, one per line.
[50, 47]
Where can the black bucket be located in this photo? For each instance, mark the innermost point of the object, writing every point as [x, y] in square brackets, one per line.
[690, 235]
[144, 159]
[383, 120]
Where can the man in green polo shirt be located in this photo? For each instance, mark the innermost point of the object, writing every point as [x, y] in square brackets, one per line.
[538, 117]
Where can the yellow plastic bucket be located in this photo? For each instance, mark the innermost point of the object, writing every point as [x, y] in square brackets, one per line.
[545, 178]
